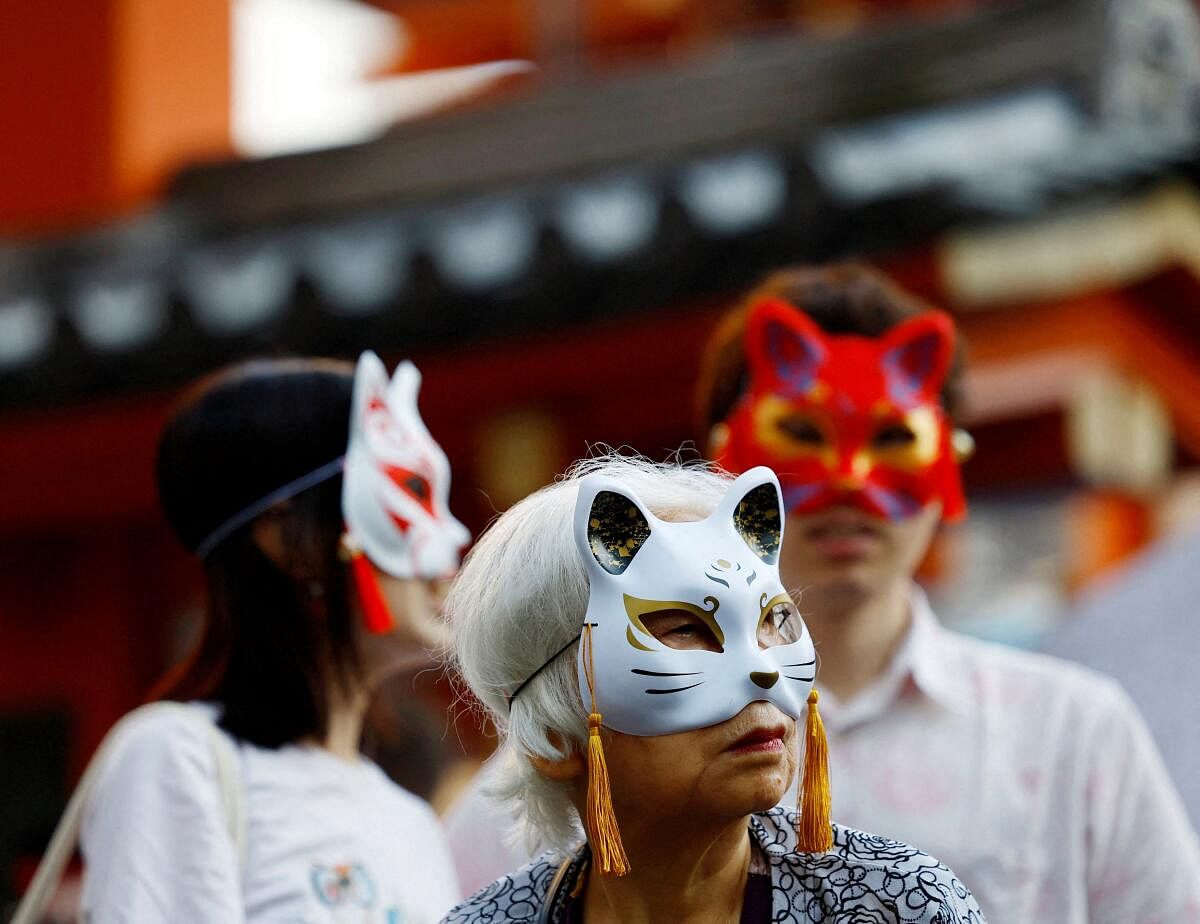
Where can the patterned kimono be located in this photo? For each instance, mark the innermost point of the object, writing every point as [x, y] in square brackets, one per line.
[864, 879]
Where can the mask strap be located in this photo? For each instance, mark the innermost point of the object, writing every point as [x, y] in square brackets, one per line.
[814, 834]
[265, 503]
[545, 664]
[601, 820]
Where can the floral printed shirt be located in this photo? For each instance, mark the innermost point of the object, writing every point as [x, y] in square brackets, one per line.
[864, 879]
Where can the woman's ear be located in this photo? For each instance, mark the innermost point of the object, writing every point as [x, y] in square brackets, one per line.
[560, 769]
[267, 533]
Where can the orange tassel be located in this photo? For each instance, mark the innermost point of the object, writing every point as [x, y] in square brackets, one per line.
[601, 821]
[376, 615]
[814, 834]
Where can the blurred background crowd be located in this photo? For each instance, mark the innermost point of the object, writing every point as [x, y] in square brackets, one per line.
[546, 205]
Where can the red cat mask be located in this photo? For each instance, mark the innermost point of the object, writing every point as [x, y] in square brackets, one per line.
[846, 419]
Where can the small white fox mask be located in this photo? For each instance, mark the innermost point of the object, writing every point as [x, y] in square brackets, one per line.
[396, 483]
[717, 577]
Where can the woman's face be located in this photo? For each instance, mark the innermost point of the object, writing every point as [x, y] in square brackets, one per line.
[722, 772]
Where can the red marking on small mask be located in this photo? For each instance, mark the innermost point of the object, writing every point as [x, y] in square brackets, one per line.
[401, 524]
[412, 483]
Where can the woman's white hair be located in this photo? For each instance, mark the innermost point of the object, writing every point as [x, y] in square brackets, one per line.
[520, 597]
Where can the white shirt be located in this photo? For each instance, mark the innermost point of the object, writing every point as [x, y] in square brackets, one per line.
[1153, 655]
[327, 840]
[1033, 779]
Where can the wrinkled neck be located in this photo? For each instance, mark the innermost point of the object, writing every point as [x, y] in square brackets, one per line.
[680, 871]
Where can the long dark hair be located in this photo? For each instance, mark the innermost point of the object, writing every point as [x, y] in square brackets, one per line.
[275, 638]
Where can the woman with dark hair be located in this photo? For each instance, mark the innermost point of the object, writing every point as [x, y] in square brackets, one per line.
[249, 801]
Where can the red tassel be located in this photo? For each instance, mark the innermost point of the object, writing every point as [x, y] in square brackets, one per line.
[376, 615]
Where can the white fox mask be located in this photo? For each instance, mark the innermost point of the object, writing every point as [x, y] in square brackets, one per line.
[396, 481]
[724, 572]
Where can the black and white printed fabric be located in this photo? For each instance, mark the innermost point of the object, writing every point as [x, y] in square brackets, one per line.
[864, 879]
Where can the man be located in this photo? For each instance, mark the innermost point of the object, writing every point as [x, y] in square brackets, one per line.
[1032, 778]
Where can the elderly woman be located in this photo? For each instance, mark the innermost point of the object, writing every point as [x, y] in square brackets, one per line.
[627, 629]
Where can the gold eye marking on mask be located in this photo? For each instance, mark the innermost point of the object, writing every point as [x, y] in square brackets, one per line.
[633, 641]
[766, 605]
[882, 408]
[779, 622]
[790, 432]
[722, 563]
[636, 608]
[919, 451]
[818, 393]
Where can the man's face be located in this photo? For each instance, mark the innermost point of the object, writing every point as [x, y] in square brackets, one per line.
[842, 555]
[855, 430]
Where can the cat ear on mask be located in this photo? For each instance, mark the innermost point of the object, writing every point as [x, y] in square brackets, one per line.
[404, 386]
[402, 392]
[370, 386]
[611, 526]
[784, 348]
[754, 507]
[916, 356]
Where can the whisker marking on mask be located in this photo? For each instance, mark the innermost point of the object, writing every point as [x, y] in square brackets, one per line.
[676, 690]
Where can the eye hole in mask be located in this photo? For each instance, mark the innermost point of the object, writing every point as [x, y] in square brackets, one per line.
[675, 623]
[681, 630]
[894, 436]
[802, 429]
[779, 623]
[414, 485]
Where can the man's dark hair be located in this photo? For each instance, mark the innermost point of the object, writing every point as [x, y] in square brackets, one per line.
[842, 298]
[274, 638]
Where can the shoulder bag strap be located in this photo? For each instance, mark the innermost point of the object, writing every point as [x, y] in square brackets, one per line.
[66, 835]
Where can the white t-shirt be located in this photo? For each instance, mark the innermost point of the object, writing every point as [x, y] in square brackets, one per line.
[327, 840]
